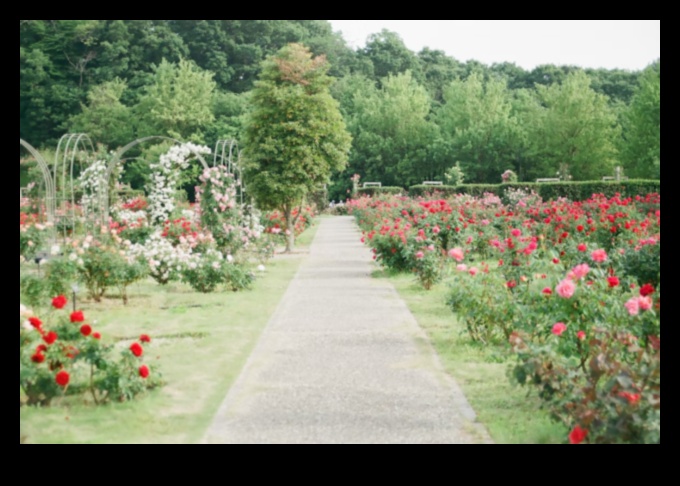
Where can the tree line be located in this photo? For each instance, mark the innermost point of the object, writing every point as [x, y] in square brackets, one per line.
[412, 116]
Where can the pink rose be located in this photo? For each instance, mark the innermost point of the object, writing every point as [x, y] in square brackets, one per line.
[599, 256]
[633, 306]
[559, 328]
[580, 271]
[457, 253]
[645, 303]
[566, 288]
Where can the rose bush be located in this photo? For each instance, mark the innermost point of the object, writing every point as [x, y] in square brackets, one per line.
[63, 355]
[573, 286]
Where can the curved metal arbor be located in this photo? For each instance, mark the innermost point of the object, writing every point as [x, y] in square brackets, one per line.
[117, 158]
[231, 158]
[65, 157]
[50, 191]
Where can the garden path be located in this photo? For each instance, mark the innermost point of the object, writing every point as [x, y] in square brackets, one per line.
[343, 360]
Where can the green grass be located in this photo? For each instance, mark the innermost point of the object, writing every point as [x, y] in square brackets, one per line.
[509, 414]
[200, 343]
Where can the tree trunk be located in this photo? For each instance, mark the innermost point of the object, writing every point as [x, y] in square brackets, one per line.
[290, 228]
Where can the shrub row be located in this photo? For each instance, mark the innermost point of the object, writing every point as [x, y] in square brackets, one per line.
[576, 191]
[370, 191]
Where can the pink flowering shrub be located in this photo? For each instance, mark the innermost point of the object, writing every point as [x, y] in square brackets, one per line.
[574, 287]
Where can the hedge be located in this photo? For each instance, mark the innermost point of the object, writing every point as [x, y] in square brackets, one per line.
[575, 191]
[433, 191]
[371, 191]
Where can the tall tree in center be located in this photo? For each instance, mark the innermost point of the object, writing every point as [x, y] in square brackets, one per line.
[295, 137]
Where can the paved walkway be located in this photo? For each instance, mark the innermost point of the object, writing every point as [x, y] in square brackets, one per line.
[342, 360]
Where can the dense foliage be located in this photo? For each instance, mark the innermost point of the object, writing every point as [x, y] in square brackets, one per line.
[295, 136]
[412, 116]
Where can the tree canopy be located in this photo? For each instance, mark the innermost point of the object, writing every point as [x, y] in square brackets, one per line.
[295, 136]
[119, 80]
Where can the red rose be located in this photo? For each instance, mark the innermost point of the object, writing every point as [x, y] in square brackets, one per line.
[144, 371]
[50, 337]
[62, 378]
[577, 435]
[136, 349]
[85, 330]
[145, 338]
[59, 302]
[96, 335]
[511, 284]
[559, 328]
[38, 357]
[633, 398]
[77, 316]
[35, 322]
[40, 348]
[581, 247]
[613, 281]
[646, 289]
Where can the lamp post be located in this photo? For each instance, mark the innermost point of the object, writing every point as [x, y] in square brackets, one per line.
[74, 288]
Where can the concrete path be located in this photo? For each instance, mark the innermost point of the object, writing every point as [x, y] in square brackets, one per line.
[342, 360]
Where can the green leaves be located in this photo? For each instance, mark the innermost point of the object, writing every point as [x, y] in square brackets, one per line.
[295, 136]
[641, 148]
[575, 130]
[179, 101]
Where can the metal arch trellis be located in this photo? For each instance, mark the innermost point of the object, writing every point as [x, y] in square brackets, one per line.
[230, 157]
[50, 190]
[117, 158]
[64, 188]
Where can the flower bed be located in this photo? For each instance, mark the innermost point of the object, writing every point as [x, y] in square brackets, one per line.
[571, 289]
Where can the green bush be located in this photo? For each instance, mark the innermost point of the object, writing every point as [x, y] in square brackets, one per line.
[432, 191]
[372, 191]
[575, 191]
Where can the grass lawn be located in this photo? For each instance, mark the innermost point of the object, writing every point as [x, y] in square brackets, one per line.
[508, 413]
[199, 343]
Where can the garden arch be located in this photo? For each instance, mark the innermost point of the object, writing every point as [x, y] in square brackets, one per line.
[50, 191]
[117, 158]
[230, 156]
[68, 148]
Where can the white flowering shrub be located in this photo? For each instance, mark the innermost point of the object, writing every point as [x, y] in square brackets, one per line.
[93, 183]
[165, 179]
[205, 271]
[522, 198]
[165, 261]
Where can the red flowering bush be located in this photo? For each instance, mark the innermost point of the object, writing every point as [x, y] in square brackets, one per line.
[62, 378]
[577, 435]
[275, 223]
[68, 357]
[563, 281]
[136, 349]
[59, 302]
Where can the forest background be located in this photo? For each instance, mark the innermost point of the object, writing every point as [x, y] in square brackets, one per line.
[413, 116]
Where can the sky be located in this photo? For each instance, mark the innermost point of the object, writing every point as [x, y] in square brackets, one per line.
[610, 44]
